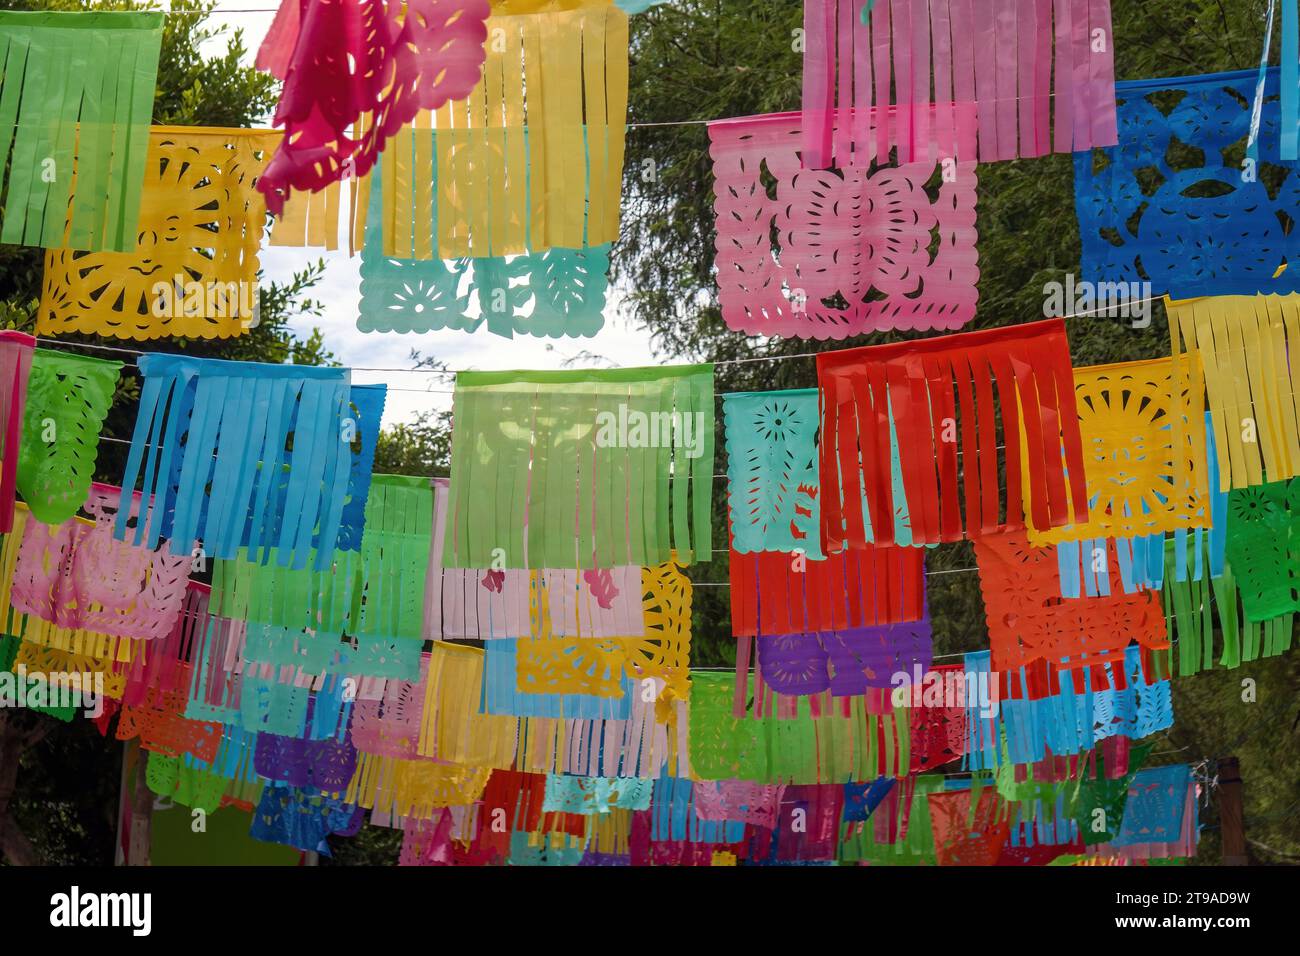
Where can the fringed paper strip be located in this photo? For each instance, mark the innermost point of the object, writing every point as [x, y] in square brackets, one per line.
[76, 575]
[390, 725]
[774, 593]
[74, 112]
[845, 662]
[366, 413]
[1143, 450]
[1085, 567]
[413, 789]
[551, 669]
[1155, 806]
[848, 742]
[653, 739]
[161, 727]
[970, 826]
[938, 726]
[1248, 346]
[376, 593]
[1193, 608]
[752, 803]
[592, 795]
[68, 397]
[1041, 74]
[912, 384]
[487, 604]
[193, 270]
[1263, 547]
[1082, 712]
[16, 350]
[627, 454]
[1173, 208]
[381, 59]
[326, 765]
[232, 481]
[311, 220]
[166, 664]
[452, 729]
[772, 482]
[563, 295]
[1107, 794]
[532, 159]
[1028, 620]
[899, 833]
[301, 819]
[833, 254]
[673, 817]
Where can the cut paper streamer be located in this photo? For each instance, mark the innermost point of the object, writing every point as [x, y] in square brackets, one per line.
[532, 158]
[854, 740]
[563, 293]
[626, 454]
[210, 447]
[772, 482]
[1028, 620]
[1263, 547]
[74, 112]
[844, 662]
[311, 219]
[452, 729]
[1247, 345]
[16, 350]
[1143, 450]
[68, 397]
[600, 668]
[1202, 605]
[413, 789]
[1040, 74]
[940, 394]
[774, 593]
[482, 605]
[193, 270]
[531, 692]
[381, 59]
[590, 795]
[1047, 710]
[970, 826]
[829, 255]
[376, 593]
[1168, 210]
[76, 575]
[1154, 810]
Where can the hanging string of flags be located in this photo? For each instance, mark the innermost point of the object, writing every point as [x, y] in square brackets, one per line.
[498, 664]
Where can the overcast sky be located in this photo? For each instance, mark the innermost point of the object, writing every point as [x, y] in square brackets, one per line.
[411, 392]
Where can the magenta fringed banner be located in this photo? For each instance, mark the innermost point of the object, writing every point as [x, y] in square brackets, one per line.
[16, 350]
[832, 254]
[383, 59]
[1041, 74]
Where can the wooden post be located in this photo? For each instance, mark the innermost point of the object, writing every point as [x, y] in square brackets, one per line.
[1232, 826]
[141, 813]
